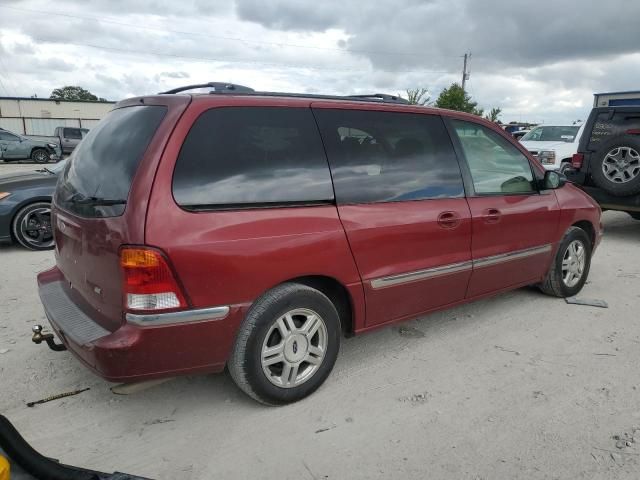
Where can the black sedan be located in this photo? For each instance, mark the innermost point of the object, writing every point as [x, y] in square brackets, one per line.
[25, 207]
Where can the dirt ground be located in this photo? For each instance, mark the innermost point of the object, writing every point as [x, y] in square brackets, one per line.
[518, 386]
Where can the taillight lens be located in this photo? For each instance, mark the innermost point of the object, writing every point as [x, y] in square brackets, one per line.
[576, 160]
[149, 282]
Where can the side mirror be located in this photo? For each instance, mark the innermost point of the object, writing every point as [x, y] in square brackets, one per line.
[553, 180]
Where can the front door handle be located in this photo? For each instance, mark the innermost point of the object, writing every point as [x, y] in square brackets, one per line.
[448, 220]
[491, 215]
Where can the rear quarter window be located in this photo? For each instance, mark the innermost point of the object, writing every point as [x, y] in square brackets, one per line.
[242, 157]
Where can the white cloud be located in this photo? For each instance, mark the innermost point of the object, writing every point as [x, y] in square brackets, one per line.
[538, 62]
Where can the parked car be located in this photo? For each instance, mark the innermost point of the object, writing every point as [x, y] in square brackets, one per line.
[69, 137]
[519, 134]
[251, 230]
[607, 164]
[17, 147]
[553, 145]
[25, 207]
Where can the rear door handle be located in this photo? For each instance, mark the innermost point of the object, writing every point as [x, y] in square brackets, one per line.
[448, 220]
[491, 215]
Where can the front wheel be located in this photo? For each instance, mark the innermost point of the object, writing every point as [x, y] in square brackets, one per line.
[40, 155]
[32, 226]
[570, 267]
[287, 345]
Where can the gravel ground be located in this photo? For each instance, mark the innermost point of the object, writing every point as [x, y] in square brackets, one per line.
[518, 386]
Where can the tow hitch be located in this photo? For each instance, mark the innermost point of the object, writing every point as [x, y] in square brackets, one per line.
[24, 459]
[39, 337]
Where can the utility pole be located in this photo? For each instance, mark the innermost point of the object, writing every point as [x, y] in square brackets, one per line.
[465, 74]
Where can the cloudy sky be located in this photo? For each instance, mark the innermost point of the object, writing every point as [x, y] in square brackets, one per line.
[539, 61]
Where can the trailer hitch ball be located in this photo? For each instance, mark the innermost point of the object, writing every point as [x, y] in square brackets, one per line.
[39, 337]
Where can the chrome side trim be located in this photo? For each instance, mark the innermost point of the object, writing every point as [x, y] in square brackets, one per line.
[457, 267]
[421, 275]
[507, 257]
[184, 316]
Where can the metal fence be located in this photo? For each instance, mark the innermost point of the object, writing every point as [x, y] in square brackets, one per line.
[43, 126]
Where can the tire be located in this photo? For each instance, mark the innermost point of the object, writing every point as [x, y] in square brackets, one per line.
[31, 226]
[40, 155]
[616, 166]
[263, 359]
[634, 215]
[558, 282]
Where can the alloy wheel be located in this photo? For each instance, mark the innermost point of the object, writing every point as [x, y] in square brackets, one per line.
[294, 348]
[573, 263]
[621, 165]
[36, 228]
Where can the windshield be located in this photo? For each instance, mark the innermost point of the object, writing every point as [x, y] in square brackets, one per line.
[552, 134]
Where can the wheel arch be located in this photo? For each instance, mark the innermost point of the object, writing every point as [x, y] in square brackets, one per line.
[588, 227]
[337, 293]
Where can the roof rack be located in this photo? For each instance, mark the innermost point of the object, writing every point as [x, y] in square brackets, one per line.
[384, 97]
[218, 87]
[232, 88]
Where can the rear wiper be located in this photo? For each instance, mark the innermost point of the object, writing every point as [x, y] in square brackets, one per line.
[97, 201]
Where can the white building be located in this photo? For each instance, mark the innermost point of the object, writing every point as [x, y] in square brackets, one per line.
[40, 116]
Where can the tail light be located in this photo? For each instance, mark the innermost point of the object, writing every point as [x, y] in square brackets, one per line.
[149, 282]
[576, 160]
[633, 131]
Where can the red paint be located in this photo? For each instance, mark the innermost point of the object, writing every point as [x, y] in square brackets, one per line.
[233, 257]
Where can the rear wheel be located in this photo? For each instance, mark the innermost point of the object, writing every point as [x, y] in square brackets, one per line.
[616, 168]
[570, 267]
[287, 345]
[634, 215]
[32, 226]
[40, 155]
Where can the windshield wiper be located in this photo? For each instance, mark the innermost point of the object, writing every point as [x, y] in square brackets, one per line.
[97, 201]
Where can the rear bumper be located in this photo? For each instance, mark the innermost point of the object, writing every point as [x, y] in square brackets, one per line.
[134, 352]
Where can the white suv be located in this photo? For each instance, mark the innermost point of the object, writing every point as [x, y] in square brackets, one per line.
[553, 145]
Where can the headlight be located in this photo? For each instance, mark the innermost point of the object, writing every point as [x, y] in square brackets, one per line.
[52, 145]
[547, 157]
[4, 195]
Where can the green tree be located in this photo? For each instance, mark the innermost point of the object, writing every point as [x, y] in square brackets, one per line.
[74, 93]
[455, 98]
[494, 115]
[417, 96]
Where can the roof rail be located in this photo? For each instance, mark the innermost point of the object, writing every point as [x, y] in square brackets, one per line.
[218, 87]
[384, 97]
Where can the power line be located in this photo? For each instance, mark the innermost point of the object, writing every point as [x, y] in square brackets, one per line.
[231, 60]
[219, 37]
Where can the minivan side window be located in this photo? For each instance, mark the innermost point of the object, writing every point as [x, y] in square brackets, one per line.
[252, 156]
[496, 166]
[389, 156]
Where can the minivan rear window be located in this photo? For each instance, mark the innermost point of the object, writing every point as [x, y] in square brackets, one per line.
[245, 157]
[97, 179]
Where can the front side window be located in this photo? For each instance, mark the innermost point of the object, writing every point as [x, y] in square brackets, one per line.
[389, 156]
[8, 137]
[252, 156]
[496, 166]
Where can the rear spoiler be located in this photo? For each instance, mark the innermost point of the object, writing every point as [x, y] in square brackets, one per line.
[26, 463]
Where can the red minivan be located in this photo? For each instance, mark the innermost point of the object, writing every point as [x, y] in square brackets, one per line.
[253, 230]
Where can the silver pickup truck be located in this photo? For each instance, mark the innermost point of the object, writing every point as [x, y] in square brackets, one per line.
[70, 137]
[17, 147]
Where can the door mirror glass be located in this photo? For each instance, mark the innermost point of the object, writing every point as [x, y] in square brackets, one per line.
[553, 180]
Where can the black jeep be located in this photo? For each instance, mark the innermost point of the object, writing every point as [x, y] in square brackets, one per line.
[607, 165]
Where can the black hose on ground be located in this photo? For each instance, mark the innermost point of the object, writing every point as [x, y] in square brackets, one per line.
[32, 462]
